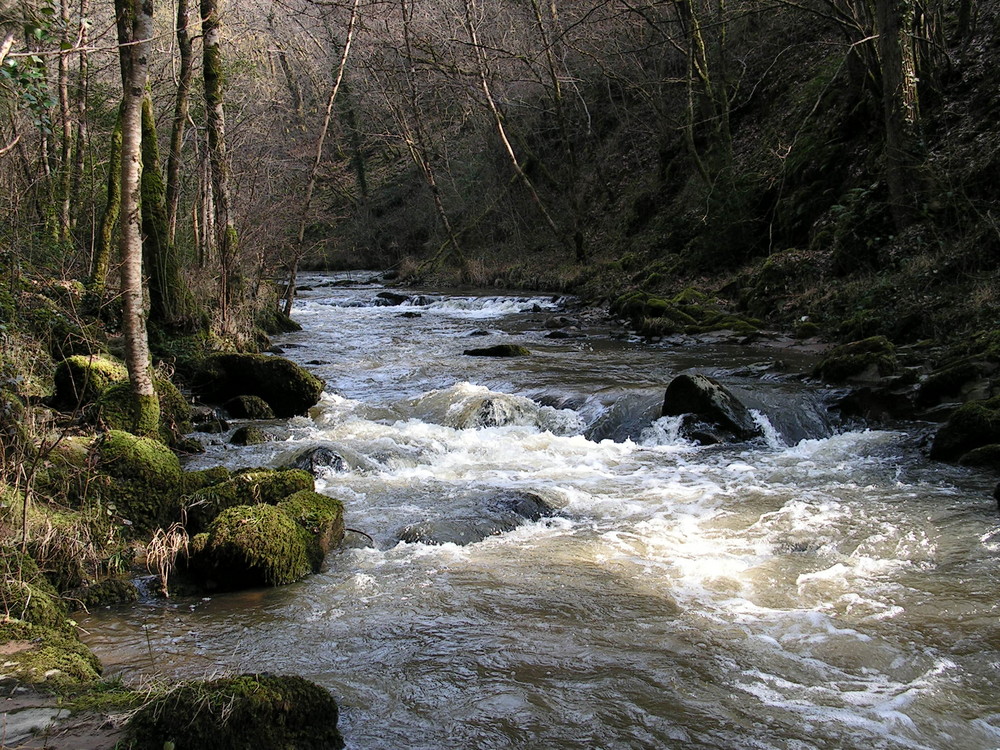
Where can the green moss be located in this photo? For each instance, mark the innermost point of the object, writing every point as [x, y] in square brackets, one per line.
[38, 655]
[321, 516]
[196, 480]
[252, 545]
[25, 594]
[103, 593]
[249, 435]
[80, 380]
[115, 410]
[145, 479]
[875, 356]
[266, 486]
[236, 713]
[972, 426]
[249, 407]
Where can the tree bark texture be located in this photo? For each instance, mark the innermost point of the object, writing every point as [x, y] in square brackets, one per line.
[185, 49]
[136, 21]
[226, 239]
[900, 107]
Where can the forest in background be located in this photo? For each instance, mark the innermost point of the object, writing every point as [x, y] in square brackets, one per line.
[788, 157]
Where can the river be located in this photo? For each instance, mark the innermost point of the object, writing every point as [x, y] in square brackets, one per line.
[823, 587]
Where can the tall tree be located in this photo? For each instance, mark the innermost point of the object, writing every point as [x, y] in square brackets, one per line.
[135, 30]
[226, 236]
[185, 49]
[900, 106]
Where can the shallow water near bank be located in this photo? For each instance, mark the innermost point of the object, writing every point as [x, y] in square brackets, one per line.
[823, 587]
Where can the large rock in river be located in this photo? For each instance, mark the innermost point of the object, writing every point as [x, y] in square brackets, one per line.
[715, 414]
[973, 425]
[286, 387]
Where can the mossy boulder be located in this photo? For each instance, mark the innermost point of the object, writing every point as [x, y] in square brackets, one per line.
[251, 546]
[986, 457]
[197, 480]
[140, 478]
[321, 516]
[38, 655]
[286, 387]
[103, 593]
[249, 407]
[690, 312]
[251, 487]
[500, 350]
[25, 594]
[237, 713]
[865, 360]
[249, 435]
[81, 379]
[113, 410]
[713, 413]
[972, 426]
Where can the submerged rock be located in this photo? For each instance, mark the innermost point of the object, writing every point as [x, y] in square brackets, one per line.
[317, 459]
[714, 414]
[500, 350]
[236, 713]
[390, 299]
[497, 514]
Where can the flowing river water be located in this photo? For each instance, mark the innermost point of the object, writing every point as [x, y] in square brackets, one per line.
[823, 587]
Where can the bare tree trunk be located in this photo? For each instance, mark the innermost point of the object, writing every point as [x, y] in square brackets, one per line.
[181, 106]
[135, 30]
[112, 210]
[82, 90]
[900, 107]
[170, 301]
[227, 239]
[66, 122]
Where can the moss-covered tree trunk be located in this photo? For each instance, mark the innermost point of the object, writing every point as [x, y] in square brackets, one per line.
[900, 107]
[101, 262]
[226, 236]
[135, 27]
[181, 105]
[169, 299]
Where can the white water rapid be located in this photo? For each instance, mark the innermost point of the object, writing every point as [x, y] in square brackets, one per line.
[820, 588]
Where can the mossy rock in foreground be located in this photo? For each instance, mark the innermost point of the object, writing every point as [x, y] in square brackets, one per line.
[81, 379]
[323, 519]
[141, 477]
[37, 655]
[867, 359]
[286, 387]
[256, 486]
[237, 713]
[973, 425]
[250, 546]
[114, 410]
